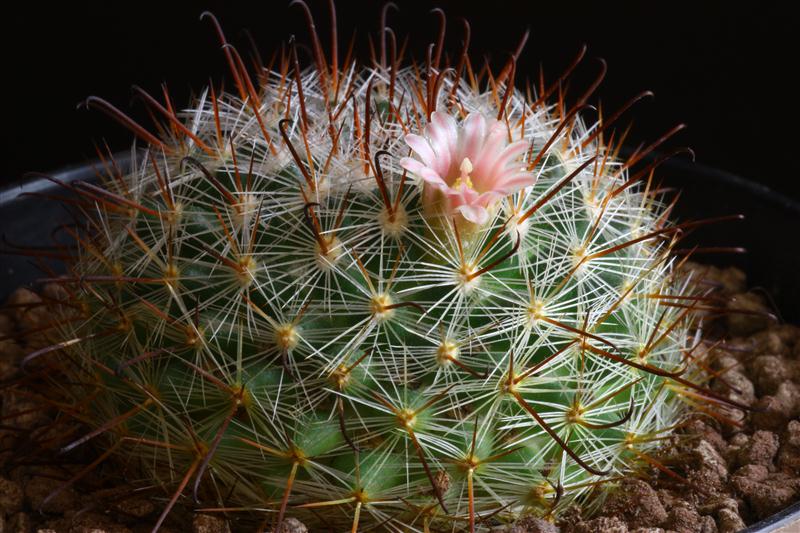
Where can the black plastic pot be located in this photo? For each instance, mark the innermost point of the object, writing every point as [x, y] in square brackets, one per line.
[770, 233]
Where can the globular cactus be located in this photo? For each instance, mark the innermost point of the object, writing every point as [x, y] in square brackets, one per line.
[407, 296]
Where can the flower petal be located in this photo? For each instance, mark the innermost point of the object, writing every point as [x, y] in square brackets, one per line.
[489, 197]
[484, 162]
[431, 176]
[474, 130]
[474, 213]
[507, 156]
[462, 195]
[515, 181]
[412, 165]
[443, 136]
[421, 146]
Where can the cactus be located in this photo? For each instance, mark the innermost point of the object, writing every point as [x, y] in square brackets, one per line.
[405, 296]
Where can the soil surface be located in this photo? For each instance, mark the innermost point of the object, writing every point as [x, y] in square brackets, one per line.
[718, 475]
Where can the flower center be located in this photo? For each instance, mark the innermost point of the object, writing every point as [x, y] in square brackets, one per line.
[464, 179]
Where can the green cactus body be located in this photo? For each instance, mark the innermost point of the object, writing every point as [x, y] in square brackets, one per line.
[281, 319]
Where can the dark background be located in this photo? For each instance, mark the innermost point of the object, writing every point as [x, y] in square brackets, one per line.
[725, 70]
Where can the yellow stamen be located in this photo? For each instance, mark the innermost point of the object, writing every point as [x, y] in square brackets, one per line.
[464, 179]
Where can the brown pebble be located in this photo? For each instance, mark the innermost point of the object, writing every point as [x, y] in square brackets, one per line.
[11, 354]
[728, 280]
[768, 342]
[205, 523]
[733, 280]
[765, 493]
[715, 504]
[707, 525]
[683, 518]
[729, 521]
[11, 496]
[768, 372]
[789, 454]
[760, 449]
[704, 430]
[638, 503]
[52, 293]
[291, 525]
[20, 523]
[711, 471]
[724, 360]
[135, 507]
[88, 523]
[25, 312]
[533, 525]
[6, 324]
[772, 412]
[22, 412]
[606, 524]
[788, 333]
[38, 488]
[752, 315]
[736, 387]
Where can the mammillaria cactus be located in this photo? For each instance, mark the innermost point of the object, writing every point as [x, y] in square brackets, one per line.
[407, 296]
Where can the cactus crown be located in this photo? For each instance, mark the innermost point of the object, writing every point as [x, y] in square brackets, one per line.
[403, 297]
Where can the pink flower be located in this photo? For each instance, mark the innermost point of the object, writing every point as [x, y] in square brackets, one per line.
[471, 163]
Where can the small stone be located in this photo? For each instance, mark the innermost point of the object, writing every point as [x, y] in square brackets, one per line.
[683, 518]
[6, 324]
[788, 333]
[729, 521]
[771, 412]
[291, 525]
[768, 342]
[759, 450]
[715, 504]
[733, 280]
[25, 311]
[604, 523]
[729, 280]
[533, 525]
[11, 496]
[768, 372]
[724, 360]
[19, 523]
[53, 293]
[704, 430]
[638, 503]
[789, 454]
[135, 507]
[707, 525]
[39, 488]
[711, 471]
[11, 354]
[205, 523]
[88, 523]
[22, 412]
[736, 387]
[748, 314]
[765, 493]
